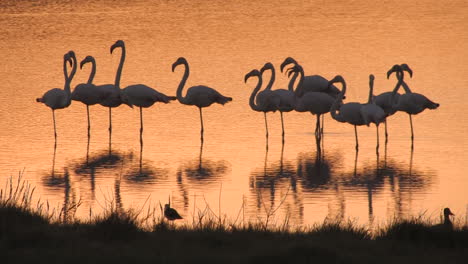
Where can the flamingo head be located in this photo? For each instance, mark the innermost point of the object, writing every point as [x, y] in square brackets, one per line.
[337, 79]
[267, 66]
[288, 60]
[118, 44]
[251, 74]
[86, 60]
[405, 67]
[395, 68]
[67, 58]
[295, 69]
[180, 60]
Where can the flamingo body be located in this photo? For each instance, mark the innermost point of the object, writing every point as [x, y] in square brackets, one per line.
[144, 96]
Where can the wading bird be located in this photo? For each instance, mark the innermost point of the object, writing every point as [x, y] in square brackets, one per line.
[143, 96]
[88, 93]
[411, 103]
[114, 98]
[170, 213]
[57, 98]
[317, 103]
[286, 96]
[312, 83]
[346, 113]
[200, 95]
[386, 100]
[371, 112]
[269, 103]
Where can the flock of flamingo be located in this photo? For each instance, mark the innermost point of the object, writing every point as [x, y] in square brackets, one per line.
[313, 94]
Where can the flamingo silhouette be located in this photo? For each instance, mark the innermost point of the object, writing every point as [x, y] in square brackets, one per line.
[114, 93]
[269, 103]
[386, 100]
[312, 83]
[346, 113]
[143, 96]
[88, 93]
[371, 112]
[317, 103]
[200, 95]
[409, 102]
[286, 97]
[57, 98]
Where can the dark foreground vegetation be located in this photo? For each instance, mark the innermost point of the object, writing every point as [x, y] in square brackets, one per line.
[32, 234]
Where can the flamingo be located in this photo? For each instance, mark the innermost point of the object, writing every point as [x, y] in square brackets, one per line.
[57, 98]
[200, 95]
[114, 93]
[317, 103]
[143, 96]
[409, 102]
[312, 83]
[371, 112]
[349, 112]
[286, 97]
[88, 93]
[385, 100]
[269, 103]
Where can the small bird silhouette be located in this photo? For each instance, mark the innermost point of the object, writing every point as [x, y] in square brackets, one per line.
[447, 224]
[170, 213]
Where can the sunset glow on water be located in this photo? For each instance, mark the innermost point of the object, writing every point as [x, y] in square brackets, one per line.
[234, 167]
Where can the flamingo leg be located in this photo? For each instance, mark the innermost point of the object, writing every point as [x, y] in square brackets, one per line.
[317, 128]
[412, 134]
[201, 121]
[321, 126]
[282, 124]
[55, 129]
[355, 134]
[89, 122]
[266, 124]
[386, 133]
[110, 130]
[110, 120]
[377, 147]
[141, 126]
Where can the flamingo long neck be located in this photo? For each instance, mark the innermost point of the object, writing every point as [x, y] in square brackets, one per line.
[93, 72]
[72, 74]
[119, 69]
[272, 79]
[336, 104]
[397, 86]
[65, 72]
[301, 79]
[254, 93]
[181, 98]
[292, 81]
[371, 90]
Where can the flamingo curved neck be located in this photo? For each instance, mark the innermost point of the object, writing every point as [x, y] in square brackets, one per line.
[272, 79]
[93, 72]
[336, 103]
[181, 98]
[254, 93]
[301, 80]
[119, 69]
[69, 79]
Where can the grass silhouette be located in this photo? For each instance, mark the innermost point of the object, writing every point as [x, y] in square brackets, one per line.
[36, 233]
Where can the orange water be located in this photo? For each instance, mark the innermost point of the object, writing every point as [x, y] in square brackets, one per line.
[222, 41]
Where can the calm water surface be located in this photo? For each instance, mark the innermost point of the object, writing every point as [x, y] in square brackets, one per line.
[222, 41]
